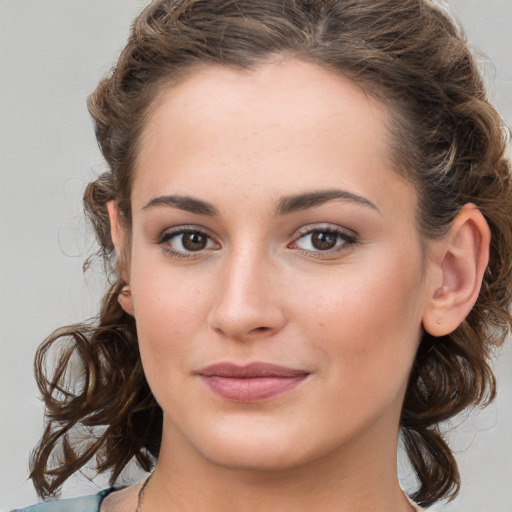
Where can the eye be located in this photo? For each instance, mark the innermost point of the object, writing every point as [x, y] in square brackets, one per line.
[324, 240]
[184, 242]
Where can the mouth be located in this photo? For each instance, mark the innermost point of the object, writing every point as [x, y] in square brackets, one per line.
[254, 382]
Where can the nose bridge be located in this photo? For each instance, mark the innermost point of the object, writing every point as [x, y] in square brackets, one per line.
[247, 302]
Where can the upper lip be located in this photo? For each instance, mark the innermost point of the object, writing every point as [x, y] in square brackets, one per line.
[248, 371]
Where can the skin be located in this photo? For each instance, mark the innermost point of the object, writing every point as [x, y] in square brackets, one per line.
[351, 316]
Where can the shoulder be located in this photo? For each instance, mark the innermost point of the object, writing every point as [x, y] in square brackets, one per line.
[90, 503]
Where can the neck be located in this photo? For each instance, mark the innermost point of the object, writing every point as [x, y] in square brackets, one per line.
[358, 478]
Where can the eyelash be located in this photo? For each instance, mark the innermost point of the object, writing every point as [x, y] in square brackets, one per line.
[348, 240]
[167, 236]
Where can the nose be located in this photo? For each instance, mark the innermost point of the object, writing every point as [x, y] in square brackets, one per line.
[248, 301]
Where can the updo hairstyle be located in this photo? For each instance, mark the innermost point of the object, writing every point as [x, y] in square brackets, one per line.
[446, 139]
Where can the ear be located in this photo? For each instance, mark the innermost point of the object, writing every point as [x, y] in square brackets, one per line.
[118, 235]
[457, 264]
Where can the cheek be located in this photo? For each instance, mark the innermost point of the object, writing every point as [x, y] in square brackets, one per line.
[367, 321]
[171, 311]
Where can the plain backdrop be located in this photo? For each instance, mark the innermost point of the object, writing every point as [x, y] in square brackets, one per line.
[52, 54]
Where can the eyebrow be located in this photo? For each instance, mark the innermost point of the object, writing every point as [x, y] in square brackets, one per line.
[285, 205]
[186, 203]
[313, 199]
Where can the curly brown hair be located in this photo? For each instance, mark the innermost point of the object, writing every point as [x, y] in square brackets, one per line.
[448, 141]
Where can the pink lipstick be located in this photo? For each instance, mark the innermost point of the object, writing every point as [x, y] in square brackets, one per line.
[254, 382]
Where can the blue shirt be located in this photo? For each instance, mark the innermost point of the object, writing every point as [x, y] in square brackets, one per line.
[83, 504]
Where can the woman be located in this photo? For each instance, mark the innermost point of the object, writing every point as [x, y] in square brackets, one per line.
[308, 216]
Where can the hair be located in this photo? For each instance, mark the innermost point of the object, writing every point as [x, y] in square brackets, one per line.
[447, 140]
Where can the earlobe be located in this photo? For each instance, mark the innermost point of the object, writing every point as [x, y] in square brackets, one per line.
[125, 299]
[118, 236]
[459, 261]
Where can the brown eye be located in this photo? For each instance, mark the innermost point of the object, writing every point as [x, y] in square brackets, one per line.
[184, 242]
[194, 241]
[324, 240]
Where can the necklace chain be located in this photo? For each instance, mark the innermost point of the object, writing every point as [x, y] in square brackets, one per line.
[145, 484]
[141, 494]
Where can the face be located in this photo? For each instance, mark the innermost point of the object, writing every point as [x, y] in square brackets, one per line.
[277, 276]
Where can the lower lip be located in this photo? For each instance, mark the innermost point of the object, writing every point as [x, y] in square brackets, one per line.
[249, 390]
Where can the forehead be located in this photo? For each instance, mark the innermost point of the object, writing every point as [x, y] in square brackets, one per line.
[289, 92]
[281, 127]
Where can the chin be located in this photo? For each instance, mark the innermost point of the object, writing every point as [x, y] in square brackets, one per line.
[253, 457]
[258, 446]
[243, 443]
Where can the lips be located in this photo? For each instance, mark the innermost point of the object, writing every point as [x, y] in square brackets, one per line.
[254, 382]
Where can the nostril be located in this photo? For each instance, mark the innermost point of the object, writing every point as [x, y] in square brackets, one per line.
[260, 329]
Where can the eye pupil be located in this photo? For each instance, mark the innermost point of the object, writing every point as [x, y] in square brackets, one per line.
[194, 241]
[324, 240]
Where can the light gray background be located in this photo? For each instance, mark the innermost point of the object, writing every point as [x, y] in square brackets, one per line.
[52, 53]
